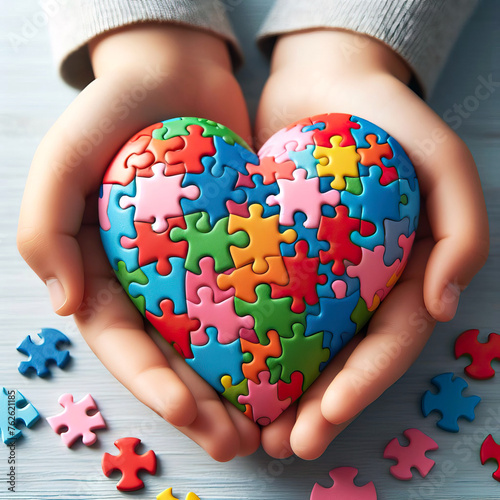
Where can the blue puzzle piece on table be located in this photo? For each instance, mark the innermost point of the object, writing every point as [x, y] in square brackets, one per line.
[449, 401]
[14, 408]
[162, 287]
[227, 155]
[367, 128]
[258, 194]
[43, 353]
[306, 160]
[370, 202]
[214, 360]
[212, 189]
[411, 208]
[401, 163]
[393, 230]
[309, 234]
[122, 224]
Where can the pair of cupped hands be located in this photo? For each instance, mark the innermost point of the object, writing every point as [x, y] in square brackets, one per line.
[151, 72]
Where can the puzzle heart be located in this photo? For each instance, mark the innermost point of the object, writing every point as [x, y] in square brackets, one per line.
[259, 268]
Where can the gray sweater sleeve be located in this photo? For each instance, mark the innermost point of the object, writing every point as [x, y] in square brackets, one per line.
[78, 21]
[422, 32]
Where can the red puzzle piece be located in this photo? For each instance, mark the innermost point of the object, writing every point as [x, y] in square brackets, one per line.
[271, 171]
[343, 487]
[373, 156]
[412, 455]
[303, 278]
[482, 353]
[155, 246]
[175, 328]
[490, 450]
[293, 389]
[337, 231]
[129, 463]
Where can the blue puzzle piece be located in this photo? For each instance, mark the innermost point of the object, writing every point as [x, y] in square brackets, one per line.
[411, 208]
[334, 317]
[401, 163]
[367, 128]
[214, 360]
[449, 402]
[306, 160]
[234, 156]
[326, 289]
[122, 224]
[259, 193]
[14, 407]
[332, 342]
[393, 230]
[43, 353]
[162, 287]
[314, 126]
[215, 192]
[310, 234]
[378, 202]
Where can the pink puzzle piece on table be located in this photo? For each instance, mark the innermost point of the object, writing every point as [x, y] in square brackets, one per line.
[301, 195]
[343, 487]
[412, 455]
[159, 197]
[76, 419]
[220, 315]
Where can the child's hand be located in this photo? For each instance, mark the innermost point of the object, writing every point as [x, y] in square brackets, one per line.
[333, 71]
[145, 74]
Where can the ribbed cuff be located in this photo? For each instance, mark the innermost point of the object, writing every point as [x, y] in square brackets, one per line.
[78, 21]
[422, 32]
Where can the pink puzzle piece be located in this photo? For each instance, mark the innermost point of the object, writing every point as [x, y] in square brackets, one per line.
[264, 400]
[412, 455]
[220, 315]
[103, 207]
[208, 277]
[285, 140]
[76, 419]
[343, 487]
[158, 197]
[371, 272]
[339, 288]
[301, 195]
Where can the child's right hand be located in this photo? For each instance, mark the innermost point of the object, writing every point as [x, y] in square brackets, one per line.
[136, 85]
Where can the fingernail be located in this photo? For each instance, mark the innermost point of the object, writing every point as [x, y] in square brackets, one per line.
[449, 300]
[56, 292]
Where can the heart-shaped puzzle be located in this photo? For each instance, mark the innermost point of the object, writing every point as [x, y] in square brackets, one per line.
[258, 269]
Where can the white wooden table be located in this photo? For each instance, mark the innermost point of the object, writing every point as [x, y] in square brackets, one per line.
[31, 98]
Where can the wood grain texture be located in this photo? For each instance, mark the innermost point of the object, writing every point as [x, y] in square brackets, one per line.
[31, 98]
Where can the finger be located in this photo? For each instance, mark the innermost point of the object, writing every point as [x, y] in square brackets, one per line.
[275, 437]
[114, 330]
[248, 431]
[396, 335]
[67, 167]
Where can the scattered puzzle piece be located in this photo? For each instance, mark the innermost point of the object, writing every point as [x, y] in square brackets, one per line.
[449, 401]
[343, 487]
[411, 455]
[129, 463]
[490, 450]
[76, 419]
[168, 495]
[43, 353]
[14, 408]
[482, 354]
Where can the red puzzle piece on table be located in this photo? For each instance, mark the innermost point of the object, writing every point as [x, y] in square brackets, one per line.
[303, 278]
[175, 328]
[337, 231]
[157, 247]
[490, 450]
[482, 353]
[412, 455]
[129, 463]
[343, 487]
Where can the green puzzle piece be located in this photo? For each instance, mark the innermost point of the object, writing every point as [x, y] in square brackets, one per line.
[205, 241]
[125, 278]
[299, 353]
[361, 314]
[269, 314]
[233, 392]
